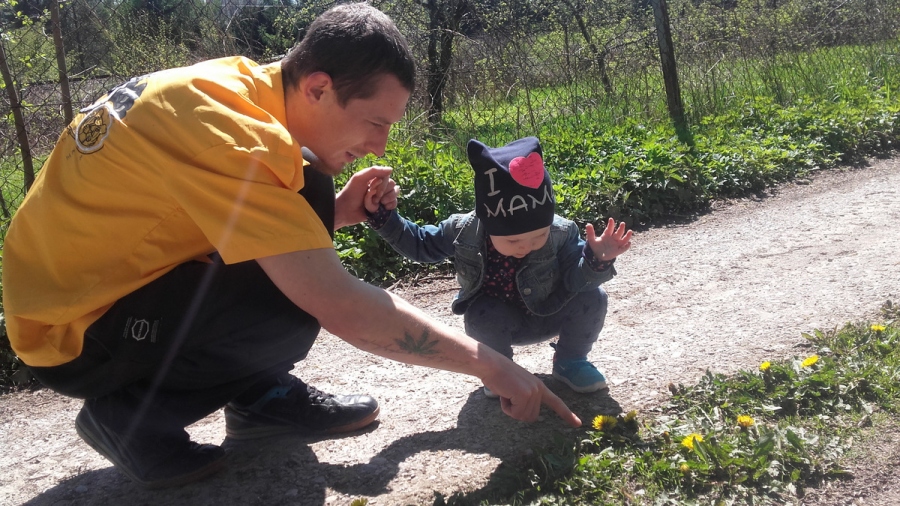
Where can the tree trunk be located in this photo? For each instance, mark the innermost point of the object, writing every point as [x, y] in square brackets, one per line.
[19, 119]
[599, 56]
[443, 25]
[435, 77]
[61, 61]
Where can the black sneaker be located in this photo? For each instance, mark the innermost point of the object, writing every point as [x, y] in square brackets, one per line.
[297, 408]
[153, 462]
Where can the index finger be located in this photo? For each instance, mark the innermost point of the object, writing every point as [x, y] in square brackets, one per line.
[553, 402]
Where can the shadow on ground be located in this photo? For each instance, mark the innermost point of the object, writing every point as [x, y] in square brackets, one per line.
[285, 470]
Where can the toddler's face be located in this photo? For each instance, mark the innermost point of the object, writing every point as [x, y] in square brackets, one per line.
[522, 244]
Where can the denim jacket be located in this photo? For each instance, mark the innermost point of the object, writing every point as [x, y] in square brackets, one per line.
[547, 279]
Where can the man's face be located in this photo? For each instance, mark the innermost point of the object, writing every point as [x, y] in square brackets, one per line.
[339, 134]
[521, 244]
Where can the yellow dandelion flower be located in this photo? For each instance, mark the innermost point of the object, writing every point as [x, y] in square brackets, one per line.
[688, 442]
[630, 416]
[745, 421]
[810, 361]
[604, 422]
[684, 468]
[765, 366]
[878, 328]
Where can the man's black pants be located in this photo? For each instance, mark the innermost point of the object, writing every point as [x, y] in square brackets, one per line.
[183, 346]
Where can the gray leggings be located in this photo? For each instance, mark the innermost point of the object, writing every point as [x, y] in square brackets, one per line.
[500, 324]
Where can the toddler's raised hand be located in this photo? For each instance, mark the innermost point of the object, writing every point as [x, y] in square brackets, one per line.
[614, 240]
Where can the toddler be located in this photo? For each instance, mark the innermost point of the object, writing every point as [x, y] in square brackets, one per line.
[525, 274]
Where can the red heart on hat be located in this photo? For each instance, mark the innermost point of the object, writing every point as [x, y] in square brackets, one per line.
[528, 171]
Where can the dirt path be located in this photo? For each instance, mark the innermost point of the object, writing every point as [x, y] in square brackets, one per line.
[727, 291]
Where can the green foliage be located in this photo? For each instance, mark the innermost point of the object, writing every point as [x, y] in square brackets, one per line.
[436, 182]
[179, 21]
[31, 54]
[757, 437]
[142, 43]
[262, 31]
[629, 173]
[642, 173]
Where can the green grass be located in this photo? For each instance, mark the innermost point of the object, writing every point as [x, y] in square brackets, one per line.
[760, 436]
[641, 173]
[709, 89]
[12, 184]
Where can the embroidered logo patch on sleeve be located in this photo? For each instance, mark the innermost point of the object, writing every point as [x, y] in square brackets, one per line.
[94, 127]
[92, 130]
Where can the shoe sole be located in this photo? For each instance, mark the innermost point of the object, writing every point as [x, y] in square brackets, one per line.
[258, 430]
[88, 430]
[582, 390]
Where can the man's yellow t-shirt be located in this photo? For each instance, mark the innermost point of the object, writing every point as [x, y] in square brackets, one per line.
[164, 169]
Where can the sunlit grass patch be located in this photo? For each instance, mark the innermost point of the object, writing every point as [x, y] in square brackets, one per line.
[756, 437]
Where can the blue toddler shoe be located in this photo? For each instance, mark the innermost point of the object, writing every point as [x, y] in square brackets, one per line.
[579, 374]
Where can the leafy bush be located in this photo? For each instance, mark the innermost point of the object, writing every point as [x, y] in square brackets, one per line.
[631, 173]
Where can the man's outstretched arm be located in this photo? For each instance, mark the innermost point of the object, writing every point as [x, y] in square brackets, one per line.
[380, 322]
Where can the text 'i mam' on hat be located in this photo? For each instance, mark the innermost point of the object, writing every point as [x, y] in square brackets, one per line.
[513, 192]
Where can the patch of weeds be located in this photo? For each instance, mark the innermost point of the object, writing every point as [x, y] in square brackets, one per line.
[755, 437]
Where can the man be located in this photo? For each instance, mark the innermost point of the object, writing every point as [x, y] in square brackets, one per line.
[175, 255]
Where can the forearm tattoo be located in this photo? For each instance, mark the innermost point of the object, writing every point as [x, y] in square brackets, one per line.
[422, 346]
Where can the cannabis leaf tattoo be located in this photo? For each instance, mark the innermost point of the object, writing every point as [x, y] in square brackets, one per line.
[422, 346]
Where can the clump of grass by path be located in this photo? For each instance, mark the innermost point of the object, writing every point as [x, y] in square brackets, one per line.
[760, 436]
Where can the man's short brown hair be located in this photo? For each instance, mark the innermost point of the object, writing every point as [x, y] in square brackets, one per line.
[354, 44]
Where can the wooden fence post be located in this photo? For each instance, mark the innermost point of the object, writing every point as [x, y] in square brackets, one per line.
[670, 71]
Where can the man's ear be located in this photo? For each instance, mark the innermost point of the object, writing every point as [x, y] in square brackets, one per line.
[315, 85]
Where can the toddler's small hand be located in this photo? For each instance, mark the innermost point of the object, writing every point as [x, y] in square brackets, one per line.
[383, 191]
[611, 243]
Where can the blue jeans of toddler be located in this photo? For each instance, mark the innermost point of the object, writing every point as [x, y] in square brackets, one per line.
[501, 324]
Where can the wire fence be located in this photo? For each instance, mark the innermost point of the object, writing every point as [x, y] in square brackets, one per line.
[511, 70]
